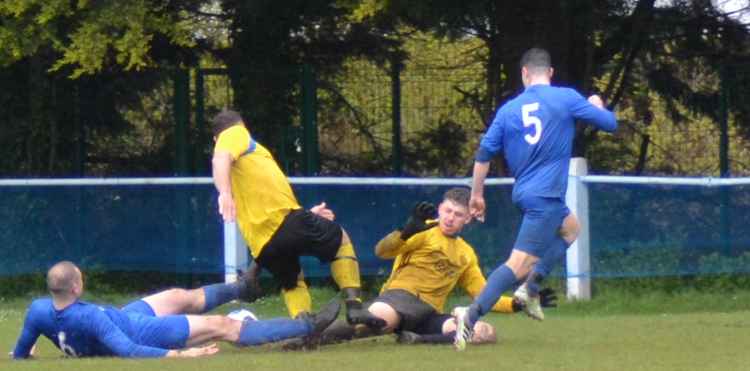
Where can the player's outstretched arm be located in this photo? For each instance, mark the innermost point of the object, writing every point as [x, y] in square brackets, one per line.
[29, 334]
[592, 111]
[400, 241]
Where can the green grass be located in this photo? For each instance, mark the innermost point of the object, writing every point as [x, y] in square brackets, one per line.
[618, 330]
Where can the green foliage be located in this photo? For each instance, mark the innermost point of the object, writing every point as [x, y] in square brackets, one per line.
[89, 35]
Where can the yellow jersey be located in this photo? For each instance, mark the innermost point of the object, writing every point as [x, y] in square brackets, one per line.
[261, 192]
[430, 264]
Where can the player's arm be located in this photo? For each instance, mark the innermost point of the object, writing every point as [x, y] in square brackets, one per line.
[221, 168]
[230, 145]
[592, 111]
[409, 237]
[392, 245]
[489, 147]
[28, 337]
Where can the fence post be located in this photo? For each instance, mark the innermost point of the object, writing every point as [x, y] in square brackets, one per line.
[578, 259]
[235, 252]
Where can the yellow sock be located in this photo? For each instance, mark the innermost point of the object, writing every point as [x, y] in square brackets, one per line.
[345, 268]
[297, 299]
[504, 305]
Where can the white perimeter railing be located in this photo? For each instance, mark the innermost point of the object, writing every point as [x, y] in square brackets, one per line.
[578, 257]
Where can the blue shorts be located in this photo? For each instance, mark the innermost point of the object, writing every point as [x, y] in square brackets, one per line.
[167, 332]
[542, 218]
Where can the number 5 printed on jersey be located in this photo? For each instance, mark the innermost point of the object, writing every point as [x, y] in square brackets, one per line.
[529, 120]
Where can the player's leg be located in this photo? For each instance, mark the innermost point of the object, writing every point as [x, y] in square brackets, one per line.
[554, 255]
[195, 301]
[313, 235]
[345, 272]
[280, 256]
[255, 332]
[557, 217]
[296, 296]
[533, 237]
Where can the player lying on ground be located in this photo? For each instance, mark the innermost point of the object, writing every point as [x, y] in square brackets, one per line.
[165, 324]
[430, 260]
[534, 131]
[254, 191]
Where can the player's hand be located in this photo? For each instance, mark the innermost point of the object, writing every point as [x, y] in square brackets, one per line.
[322, 211]
[597, 101]
[476, 208]
[207, 350]
[226, 207]
[548, 298]
[418, 220]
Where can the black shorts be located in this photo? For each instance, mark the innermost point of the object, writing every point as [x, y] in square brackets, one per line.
[416, 315]
[302, 233]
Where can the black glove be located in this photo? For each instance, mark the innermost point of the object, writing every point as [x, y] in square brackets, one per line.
[548, 298]
[417, 221]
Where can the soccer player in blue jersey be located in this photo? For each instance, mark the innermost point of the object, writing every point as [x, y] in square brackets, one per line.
[165, 324]
[534, 131]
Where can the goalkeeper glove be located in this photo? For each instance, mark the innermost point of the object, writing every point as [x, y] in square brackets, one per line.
[547, 298]
[418, 220]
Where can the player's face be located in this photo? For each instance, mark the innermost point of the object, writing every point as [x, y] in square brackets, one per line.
[452, 217]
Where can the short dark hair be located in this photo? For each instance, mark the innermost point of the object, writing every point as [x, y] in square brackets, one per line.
[61, 277]
[459, 195]
[536, 59]
[226, 119]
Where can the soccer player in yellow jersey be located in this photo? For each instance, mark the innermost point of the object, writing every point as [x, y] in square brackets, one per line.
[430, 260]
[255, 192]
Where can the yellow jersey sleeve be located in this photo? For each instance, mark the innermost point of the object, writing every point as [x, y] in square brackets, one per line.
[236, 140]
[392, 245]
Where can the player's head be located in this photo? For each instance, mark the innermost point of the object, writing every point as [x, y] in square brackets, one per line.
[483, 333]
[536, 66]
[453, 212]
[65, 281]
[226, 119]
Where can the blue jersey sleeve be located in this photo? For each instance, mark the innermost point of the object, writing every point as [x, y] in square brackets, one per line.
[581, 109]
[492, 142]
[29, 334]
[119, 343]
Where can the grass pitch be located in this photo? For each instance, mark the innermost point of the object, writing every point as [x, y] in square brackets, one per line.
[660, 331]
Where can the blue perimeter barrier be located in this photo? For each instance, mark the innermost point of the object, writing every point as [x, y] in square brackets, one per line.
[638, 227]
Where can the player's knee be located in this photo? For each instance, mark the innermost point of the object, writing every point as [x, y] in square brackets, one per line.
[521, 263]
[221, 326]
[345, 237]
[484, 333]
[570, 229]
[386, 313]
[177, 295]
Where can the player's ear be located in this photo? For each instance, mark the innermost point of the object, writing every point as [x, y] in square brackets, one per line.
[551, 72]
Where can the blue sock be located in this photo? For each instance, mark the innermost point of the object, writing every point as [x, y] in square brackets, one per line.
[551, 257]
[498, 282]
[266, 331]
[544, 266]
[220, 293]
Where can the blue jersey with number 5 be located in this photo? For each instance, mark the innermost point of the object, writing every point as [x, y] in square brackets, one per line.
[535, 132]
